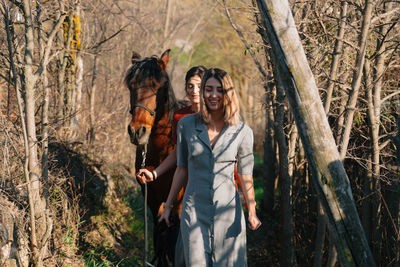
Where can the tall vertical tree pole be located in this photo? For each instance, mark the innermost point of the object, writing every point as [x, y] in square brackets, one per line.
[328, 173]
[32, 166]
[25, 80]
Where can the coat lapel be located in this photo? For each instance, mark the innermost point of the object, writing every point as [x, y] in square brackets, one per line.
[225, 133]
[202, 134]
[227, 136]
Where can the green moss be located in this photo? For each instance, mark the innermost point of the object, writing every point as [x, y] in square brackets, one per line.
[258, 190]
[258, 178]
[258, 159]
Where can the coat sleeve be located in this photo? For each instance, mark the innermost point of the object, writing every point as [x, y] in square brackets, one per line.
[181, 146]
[245, 152]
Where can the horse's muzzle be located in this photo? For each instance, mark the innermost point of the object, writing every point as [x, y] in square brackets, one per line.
[139, 136]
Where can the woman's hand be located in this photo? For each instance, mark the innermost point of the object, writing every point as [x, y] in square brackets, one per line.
[165, 215]
[144, 175]
[253, 222]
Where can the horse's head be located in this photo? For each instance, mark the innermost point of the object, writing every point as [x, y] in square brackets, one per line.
[150, 90]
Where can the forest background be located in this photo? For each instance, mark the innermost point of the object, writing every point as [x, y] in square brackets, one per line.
[67, 192]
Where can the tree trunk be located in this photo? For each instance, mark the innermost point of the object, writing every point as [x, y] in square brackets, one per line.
[75, 118]
[356, 82]
[374, 92]
[288, 256]
[45, 220]
[45, 110]
[168, 17]
[336, 56]
[338, 49]
[269, 163]
[20, 101]
[328, 173]
[342, 107]
[78, 76]
[366, 216]
[64, 58]
[269, 154]
[92, 99]
[26, 84]
[332, 257]
[32, 166]
[393, 203]
[320, 236]
[185, 43]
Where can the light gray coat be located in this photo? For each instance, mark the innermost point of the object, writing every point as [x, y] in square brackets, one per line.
[212, 222]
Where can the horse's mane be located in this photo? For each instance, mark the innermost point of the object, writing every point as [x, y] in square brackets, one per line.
[148, 68]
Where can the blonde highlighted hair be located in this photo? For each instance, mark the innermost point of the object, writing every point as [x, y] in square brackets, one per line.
[230, 99]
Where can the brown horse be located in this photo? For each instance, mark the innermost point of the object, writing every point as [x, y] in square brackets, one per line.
[152, 104]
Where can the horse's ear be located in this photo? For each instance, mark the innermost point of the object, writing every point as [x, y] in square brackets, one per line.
[135, 57]
[164, 59]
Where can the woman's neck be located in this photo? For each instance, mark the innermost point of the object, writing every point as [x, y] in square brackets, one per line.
[195, 107]
[217, 119]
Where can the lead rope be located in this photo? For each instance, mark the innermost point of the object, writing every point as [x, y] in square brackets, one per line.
[146, 245]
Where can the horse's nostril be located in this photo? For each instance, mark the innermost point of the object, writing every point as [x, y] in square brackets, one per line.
[141, 132]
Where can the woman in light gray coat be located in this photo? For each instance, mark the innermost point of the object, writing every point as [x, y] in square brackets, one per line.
[209, 143]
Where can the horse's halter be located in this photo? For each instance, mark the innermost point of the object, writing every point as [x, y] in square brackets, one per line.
[152, 112]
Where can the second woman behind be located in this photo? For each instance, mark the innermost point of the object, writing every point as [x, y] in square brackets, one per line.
[192, 88]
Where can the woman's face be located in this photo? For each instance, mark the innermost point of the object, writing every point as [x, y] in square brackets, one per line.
[193, 89]
[213, 95]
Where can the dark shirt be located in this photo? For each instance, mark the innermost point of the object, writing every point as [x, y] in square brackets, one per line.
[179, 114]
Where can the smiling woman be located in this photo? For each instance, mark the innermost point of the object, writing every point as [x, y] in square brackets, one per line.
[220, 80]
[213, 95]
[210, 143]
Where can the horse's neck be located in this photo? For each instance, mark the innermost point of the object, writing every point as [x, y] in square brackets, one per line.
[162, 124]
[161, 135]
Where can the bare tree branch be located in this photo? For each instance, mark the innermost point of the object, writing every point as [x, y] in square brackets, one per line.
[48, 46]
[6, 79]
[246, 44]
[390, 96]
[106, 39]
[394, 11]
